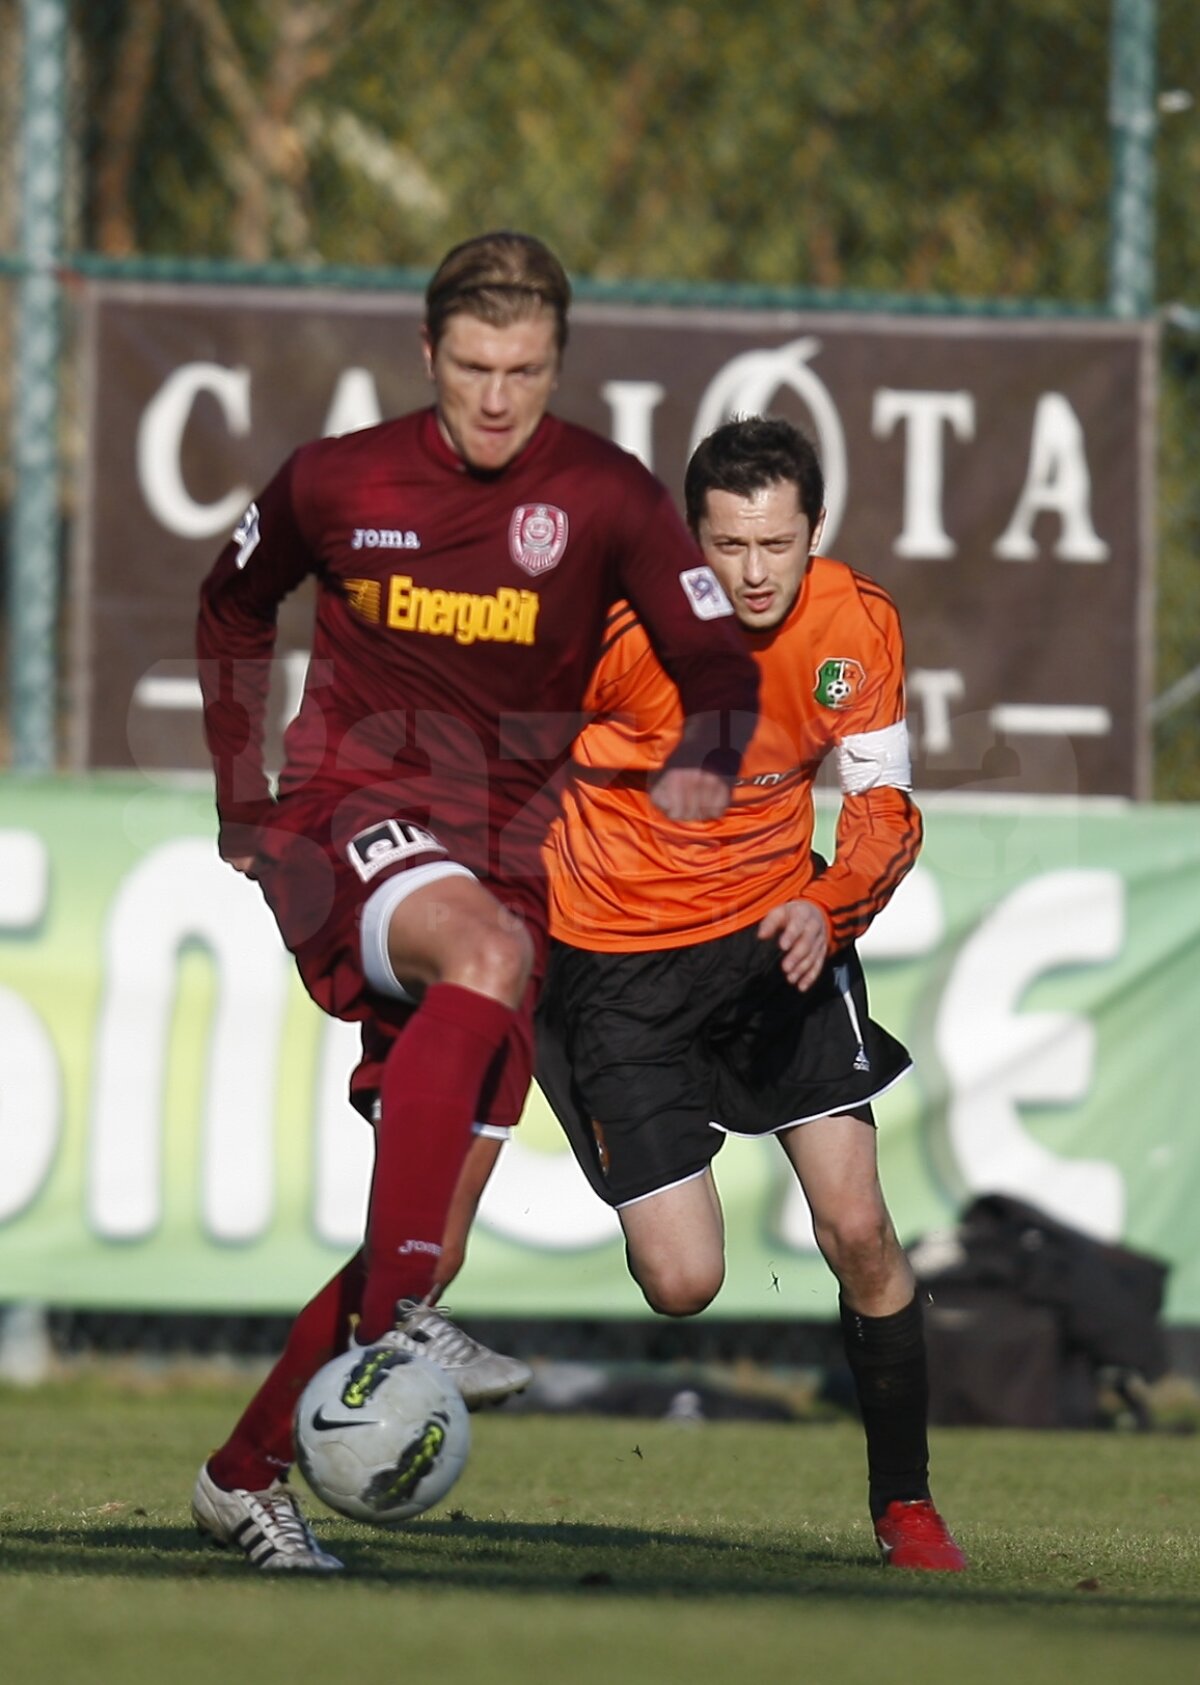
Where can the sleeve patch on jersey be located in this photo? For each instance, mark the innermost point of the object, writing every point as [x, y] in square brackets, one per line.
[867, 760]
[839, 680]
[705, 594]
[246, 536]
[380, 846]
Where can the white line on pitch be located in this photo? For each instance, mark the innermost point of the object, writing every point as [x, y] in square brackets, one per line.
[1038, 719]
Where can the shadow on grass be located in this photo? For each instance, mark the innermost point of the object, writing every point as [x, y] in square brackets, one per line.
[564, 1558]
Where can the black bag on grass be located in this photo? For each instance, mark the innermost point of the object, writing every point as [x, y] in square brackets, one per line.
[1025, 1318]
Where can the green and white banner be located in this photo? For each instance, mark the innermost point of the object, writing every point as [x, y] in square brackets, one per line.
[174, 1131]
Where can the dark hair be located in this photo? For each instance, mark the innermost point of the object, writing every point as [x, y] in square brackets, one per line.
[501, 278]
[748, 454]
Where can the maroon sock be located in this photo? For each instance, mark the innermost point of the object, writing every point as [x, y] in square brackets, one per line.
[430, 1096]
[260, 1447]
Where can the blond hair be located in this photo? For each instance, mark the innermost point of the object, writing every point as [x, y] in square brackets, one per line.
[501, 278]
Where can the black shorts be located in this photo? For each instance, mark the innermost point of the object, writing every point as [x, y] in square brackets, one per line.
[650, 1059]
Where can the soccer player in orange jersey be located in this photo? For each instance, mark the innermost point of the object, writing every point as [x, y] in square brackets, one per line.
[704, 981]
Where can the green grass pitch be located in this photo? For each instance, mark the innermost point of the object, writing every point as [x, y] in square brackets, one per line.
[599, 1551]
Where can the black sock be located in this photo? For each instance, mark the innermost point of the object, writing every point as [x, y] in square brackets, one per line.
[887, 1359]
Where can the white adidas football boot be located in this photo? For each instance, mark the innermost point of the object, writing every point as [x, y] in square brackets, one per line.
[268, 1527]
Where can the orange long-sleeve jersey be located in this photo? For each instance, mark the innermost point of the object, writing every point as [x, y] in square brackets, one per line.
[623, 876]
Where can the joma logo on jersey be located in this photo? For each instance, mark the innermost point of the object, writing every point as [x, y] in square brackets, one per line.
[508, 617]
[839, 681]
[384, 538]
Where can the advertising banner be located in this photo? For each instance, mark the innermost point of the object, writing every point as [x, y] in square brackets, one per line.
[994, 475]
[174, 1132]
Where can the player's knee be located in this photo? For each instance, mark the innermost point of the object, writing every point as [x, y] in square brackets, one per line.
[494, 960]
[679, 1287]
[860, 1246]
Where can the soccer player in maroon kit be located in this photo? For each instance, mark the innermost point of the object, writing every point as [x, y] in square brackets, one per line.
[465, 558]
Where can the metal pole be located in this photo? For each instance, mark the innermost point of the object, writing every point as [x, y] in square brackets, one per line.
[1133, 119]
[34, 530]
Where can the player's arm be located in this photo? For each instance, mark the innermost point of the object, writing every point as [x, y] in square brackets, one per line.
[879, 835]
[878, 839]
[879, 829]
[691, 626]
[235, 641]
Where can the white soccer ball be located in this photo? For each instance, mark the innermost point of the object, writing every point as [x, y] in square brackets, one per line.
[381, 1434]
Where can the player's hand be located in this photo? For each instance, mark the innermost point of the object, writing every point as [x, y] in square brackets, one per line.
[803, 937]
[688, 793]
[240, 839]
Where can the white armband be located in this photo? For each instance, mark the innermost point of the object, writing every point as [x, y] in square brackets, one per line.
[868, 759]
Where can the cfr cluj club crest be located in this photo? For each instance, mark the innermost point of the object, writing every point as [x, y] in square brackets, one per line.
[838, 681]
[537, 536]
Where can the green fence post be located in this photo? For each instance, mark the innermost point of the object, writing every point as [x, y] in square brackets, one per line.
[34, 531]
[1133, 119]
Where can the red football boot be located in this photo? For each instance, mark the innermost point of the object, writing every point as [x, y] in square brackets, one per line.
[913, 1535]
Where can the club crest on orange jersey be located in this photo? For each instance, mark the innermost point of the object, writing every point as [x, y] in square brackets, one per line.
[839, 681]
[537, 536]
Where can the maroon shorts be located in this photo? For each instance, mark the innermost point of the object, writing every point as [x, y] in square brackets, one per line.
[319, 865]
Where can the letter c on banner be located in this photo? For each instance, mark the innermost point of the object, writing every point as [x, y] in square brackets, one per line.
[160, 448]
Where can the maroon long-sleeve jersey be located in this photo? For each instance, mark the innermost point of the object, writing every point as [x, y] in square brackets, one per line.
[459, 616]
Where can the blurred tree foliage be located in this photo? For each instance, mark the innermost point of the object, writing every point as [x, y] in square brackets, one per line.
[929, 147]
[909, 145]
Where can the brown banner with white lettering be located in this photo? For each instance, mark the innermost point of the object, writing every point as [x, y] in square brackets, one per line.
[995, 476]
